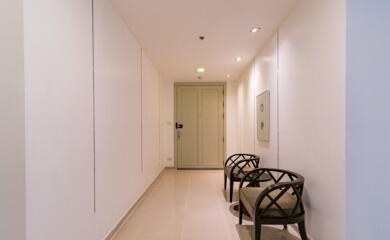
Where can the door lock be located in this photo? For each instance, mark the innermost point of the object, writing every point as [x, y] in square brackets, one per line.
[179, 126]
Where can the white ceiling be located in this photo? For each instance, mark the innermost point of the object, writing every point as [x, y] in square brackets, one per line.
[168, 30]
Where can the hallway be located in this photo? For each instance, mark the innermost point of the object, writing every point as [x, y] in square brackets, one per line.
[101, 101]
[189, 205]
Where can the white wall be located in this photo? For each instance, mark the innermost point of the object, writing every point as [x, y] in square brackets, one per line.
[152, 165]
[167, 124]
[118, 117]
[312, 110]
[265, 78]
[368, 117]
[59, 146]
[307, 71]
[231, 118]
[12, 159]
[245, 112]
[260, 76]
[63, 184]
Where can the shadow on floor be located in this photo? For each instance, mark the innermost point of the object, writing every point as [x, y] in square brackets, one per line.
[235, 212]
[245, 232]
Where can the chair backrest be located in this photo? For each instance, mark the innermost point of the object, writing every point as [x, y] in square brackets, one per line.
[241, 162]
[233, 159]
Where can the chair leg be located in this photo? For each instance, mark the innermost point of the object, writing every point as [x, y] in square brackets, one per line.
[257, 231]
[225, 180]
[285, 226]
[302, 230]
[241, 212]
[231, 190]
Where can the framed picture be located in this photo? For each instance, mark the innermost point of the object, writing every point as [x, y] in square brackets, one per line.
[263, 116]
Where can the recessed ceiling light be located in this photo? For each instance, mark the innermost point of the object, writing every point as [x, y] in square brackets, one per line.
[255, 29]
[227, 75]
[238, 59]
[200, 70]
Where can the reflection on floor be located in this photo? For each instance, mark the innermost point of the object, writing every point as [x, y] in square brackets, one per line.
[190, 205]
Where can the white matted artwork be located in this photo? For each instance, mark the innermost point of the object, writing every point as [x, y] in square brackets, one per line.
[263, 116]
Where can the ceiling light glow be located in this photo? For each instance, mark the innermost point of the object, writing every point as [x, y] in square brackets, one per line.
[200, 70]
[255, 30]
[227, 75]
[238, 59]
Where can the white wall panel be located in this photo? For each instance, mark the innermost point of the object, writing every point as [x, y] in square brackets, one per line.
[167, 124]
[59, 163]
[152, 165]
[231, 119]
[245, 111]
[12, 142]
[118, 117]
[312, 110]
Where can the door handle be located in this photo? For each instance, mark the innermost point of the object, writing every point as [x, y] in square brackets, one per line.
[179, 126]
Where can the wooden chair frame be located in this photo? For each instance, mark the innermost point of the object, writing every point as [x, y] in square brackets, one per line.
[293, 186]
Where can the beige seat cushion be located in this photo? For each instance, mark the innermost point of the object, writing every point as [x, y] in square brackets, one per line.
[249, 195]
[228, 171]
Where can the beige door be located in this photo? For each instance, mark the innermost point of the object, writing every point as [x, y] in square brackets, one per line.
[200, 141]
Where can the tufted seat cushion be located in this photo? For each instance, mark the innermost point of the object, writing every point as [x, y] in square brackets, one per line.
[249, 195]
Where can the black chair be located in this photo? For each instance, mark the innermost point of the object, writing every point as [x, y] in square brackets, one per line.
[236, 166]
[278, 204]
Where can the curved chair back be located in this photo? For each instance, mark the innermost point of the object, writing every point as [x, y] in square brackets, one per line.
[241, 162]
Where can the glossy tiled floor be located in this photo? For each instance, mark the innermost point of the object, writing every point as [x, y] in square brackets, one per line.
[190, 205]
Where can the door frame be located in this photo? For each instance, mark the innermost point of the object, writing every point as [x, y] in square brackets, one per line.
[179, 84]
